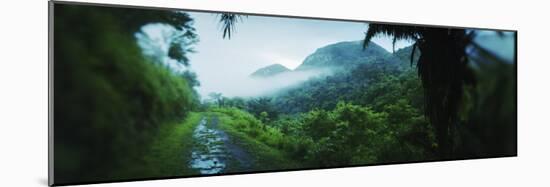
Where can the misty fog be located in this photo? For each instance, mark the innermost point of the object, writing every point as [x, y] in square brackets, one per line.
[253, 87]
[224, 65]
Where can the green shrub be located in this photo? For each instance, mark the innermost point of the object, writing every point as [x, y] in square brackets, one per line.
[109, 99]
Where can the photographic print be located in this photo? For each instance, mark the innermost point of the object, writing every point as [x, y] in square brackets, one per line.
[143, 93]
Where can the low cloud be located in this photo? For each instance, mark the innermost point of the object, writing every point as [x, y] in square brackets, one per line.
[254, 87]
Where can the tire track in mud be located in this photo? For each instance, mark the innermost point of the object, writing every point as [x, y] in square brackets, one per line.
[213, 151]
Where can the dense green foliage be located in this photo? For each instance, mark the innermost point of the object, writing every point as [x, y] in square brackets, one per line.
[374, 113]
[120, 114]
[367, 84]
[369, 114]
[467, 119]
[267, 144]
[348, 135]
[443, 70]
[381, 121]
[355, 135]
[110, 100]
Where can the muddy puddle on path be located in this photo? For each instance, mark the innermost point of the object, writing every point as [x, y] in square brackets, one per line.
[213, 152]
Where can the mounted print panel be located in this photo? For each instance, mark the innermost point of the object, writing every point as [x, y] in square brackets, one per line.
[141, 93]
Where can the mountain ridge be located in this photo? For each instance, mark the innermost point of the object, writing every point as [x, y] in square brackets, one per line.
[271, 70]
[341, 55]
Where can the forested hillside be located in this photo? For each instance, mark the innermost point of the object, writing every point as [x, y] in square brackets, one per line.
[127, 103]
[360, 83]
[346, 55]
[380, 94]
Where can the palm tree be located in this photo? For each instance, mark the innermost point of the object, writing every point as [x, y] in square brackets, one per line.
[228, 21]
[442, 68]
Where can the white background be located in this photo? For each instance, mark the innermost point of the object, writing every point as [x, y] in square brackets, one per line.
[23, 92]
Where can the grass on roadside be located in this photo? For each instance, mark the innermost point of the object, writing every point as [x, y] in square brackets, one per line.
[266, 157]
[169, 153]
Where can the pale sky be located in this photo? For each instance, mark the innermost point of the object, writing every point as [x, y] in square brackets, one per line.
[261, 41]
[223, 65]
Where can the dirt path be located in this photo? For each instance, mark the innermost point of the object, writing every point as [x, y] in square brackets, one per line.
[213, 151]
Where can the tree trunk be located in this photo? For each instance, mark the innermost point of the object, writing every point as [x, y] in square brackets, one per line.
[442, 69]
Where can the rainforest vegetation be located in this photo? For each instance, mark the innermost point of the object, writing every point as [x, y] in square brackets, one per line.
[121, 114]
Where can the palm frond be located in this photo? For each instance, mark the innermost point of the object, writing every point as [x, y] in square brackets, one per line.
[398, 32]
[393, 44]
[412, 53]
[228, 21]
